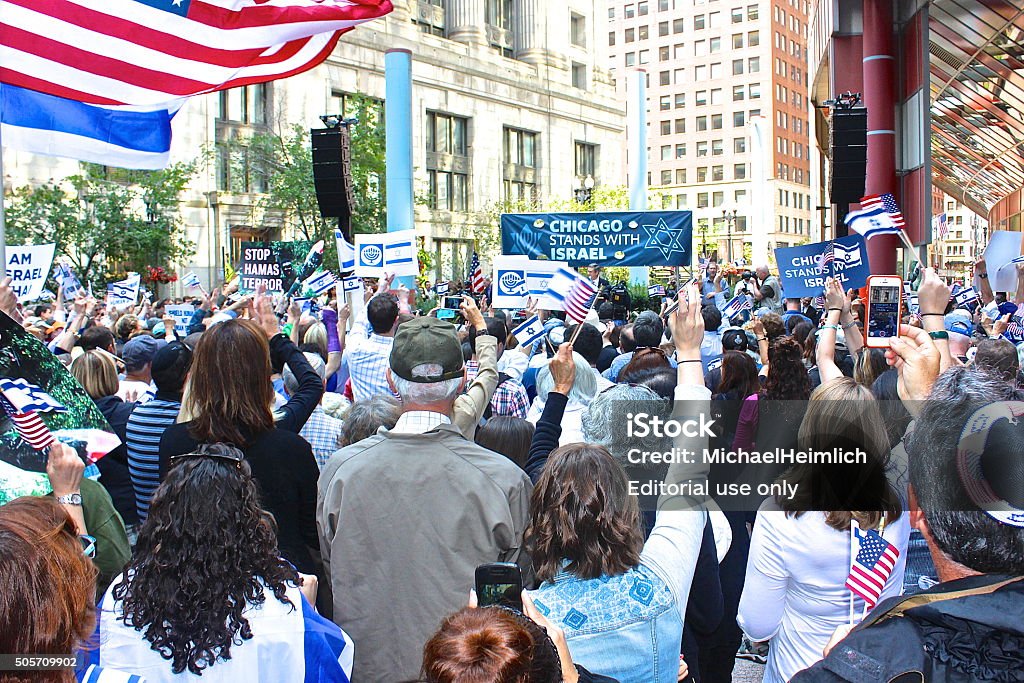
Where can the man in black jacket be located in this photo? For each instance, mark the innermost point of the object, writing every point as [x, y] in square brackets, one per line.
[970, 627]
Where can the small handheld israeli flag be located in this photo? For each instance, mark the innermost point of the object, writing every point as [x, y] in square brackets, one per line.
[441, 288]
[350, 284]
[321, 282]
[656, 290]
[965, 296]
[529, 331]
[191, 280]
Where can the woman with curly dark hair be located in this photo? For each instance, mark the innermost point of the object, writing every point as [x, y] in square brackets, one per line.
[786, 384]
[208, 593]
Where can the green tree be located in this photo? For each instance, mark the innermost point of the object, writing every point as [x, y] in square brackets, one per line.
[106, 221]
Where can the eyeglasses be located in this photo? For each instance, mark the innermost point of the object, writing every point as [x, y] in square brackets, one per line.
[235, 457]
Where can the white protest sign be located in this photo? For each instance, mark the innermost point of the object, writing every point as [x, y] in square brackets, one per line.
[1003, 246]
[182, 314]
[386, 253]
[28, 267]
[508, 284]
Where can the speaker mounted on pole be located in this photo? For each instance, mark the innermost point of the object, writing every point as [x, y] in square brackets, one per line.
[332, 173]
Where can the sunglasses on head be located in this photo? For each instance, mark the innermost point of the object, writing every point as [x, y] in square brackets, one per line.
[230, 455]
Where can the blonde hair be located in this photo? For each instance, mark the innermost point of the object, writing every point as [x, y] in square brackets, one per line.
[97, 374]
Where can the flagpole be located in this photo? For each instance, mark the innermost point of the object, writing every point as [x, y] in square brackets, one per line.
[3, 224]
[908, 244]
[853, 555]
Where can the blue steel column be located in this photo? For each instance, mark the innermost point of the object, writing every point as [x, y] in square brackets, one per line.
[398, 117]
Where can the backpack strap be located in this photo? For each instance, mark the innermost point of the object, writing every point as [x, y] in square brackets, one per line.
[901, 606]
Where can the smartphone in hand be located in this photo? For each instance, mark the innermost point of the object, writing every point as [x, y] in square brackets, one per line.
[884, 310]
[499, 583]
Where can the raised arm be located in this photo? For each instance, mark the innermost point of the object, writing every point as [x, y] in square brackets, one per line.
[851, 331]
[825, 351]
[981, 278]
[549, 426]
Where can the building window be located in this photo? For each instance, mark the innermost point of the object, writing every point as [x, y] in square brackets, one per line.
[666, 127]
[666, 152]
[499, 13]
[717, 173]
[702, 197]
[752, 12]
[754, 38]
[716, 148]
[717, 198]
[698, 22]
[739, 171]
[429, 20]
[665, 5]
[630, 58]
[611, 38]
[578, 29]
[737, 41]
[642, 8]
[679, 76]
[702, 123]
[739, 196]
[702, 177]
[702, 148]
[678, 26]
[677, 51]
[739, 145]
[681, 150]
[630, 11]
[701, 98]
[680, 201]
[611, 12]
[662, 29]
[737, 67]
[579, 75]
[680, 125]
[716, 96]
[737, 15]
[641, 33]
[663, 54]
[716, 122]
[665, 102]
[700, 48]
[754, 89]
[738, 93]
[586, 160]
[738, 119]
[680, 176]
[645, 56]
[754, 65]
[248, 104]
[666, 177]
[714, 45]
[630, 35]
[520, 156]
[447, 146]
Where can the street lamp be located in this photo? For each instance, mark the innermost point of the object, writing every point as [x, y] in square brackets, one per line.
[703, 237]
[583, 189]
[729, 216]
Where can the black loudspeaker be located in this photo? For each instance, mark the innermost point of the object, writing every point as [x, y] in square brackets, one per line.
[848, 147]
[332, 172]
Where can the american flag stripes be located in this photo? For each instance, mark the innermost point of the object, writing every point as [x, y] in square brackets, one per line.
[736, 305]
[476, 275]
[32, 429]
[827, 256]
[871, 566]
[575, 293]
[887, 203]
[145, 52]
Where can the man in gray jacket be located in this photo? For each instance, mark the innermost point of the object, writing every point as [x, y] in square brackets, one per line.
[406, 516]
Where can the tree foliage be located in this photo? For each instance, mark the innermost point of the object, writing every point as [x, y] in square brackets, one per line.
[106, 221]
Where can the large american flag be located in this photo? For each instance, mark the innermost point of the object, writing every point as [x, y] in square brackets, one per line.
[476, 275]
[872, 565]
[886, 202]
[144, 52]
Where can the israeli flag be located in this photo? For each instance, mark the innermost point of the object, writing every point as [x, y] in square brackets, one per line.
[441, 288]
[736, 305]
[965, 296]
[125, 292]
[846, 256]
[529, 331]
[346, 252]
[320, 282]
[123, 136]
[28, 398]
[290, 642]
[872, 223]
[656, 290]
[350, 284]
[191, 280]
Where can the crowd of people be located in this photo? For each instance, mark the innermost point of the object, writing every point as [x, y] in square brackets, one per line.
[307, 496]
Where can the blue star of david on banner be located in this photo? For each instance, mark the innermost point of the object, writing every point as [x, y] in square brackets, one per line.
[661, 237]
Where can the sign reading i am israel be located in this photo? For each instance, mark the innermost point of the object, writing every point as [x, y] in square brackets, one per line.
[803, 273]
[613, 238]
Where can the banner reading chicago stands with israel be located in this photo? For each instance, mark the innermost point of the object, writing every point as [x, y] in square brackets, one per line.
[608, 238]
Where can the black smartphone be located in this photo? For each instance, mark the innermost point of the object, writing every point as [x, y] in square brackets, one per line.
[453, 302]
[499, 583]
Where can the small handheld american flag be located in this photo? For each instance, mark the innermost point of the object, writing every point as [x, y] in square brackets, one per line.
[886, 202]
[738, 304]
[476, 275]
[576, 293]
[827, 257]
[872, 565]
[23, 402]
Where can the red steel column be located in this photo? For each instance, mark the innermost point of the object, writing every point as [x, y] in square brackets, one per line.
[880, 99]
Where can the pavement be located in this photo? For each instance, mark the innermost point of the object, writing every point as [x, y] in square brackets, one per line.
[747, 672]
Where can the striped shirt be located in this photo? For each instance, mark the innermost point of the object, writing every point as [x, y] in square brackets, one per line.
[145, 427]
[367, 360]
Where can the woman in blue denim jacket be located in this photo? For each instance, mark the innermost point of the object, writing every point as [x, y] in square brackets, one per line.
[620, 601]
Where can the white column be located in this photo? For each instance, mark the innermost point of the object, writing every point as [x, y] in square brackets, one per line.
[528, 26]
[464, 21]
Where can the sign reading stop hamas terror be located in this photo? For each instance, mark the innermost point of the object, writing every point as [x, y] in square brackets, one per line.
[614, 238]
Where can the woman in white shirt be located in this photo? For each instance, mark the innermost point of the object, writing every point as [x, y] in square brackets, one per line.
[584, 389]
[795, 592]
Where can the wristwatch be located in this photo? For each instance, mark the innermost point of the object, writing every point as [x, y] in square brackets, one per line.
[70, 499]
